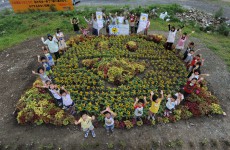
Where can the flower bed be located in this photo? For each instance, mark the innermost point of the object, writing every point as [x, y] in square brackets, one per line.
[110, 74]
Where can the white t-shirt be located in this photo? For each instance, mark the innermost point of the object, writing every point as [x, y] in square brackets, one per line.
[120, 20]
[193, 76]
[171, 36]
[67, 101]
[56, 96]
[44, 77]
[95, 24]
[182, 96]
[171, 105]
[138, 111]
[53, 46]
[110, 121]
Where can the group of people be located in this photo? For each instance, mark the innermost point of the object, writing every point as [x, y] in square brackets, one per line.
[63, 98]
[111, 19]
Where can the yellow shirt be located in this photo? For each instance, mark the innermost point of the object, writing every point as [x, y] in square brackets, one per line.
[87, 123]
[155, 106]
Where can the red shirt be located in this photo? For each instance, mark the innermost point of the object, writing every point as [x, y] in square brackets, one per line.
[194, 61]
[188, 88]
[143, 105]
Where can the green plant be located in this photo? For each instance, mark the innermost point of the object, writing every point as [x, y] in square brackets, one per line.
[223, 29]
[110, 145]
[204, 142]
[219, 13]
[216, 109]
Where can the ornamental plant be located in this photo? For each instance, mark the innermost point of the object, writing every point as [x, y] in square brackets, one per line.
[101, 71]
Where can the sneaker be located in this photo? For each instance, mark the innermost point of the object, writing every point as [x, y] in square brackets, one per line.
[86, 134]
[93, 134]
[148, 118]
[153, 117]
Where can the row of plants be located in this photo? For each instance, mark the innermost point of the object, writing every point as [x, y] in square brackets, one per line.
[90, 70]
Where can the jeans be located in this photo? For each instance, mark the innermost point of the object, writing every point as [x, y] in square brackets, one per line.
[111, 127]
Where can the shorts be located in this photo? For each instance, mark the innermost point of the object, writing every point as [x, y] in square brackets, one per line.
[66, 107]
[90, 128]
[111, 127]
[51, 63]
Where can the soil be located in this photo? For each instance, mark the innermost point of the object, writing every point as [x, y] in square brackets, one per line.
[211, 132]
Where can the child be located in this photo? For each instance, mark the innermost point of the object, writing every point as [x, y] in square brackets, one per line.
[147, 27]
[139, 106]
[84, 31]
[155, 104]
[52, 44]
[86, 123]
[180, 95]
[107, 27]
[171, 104]
[90, 24]
[171, 36]
[109, 119]
[48, 56]
[189, 87]
[196, 74]
[43, 61]
[68, 103]
[113, 18]
[61, 41]
[41, 72]
[132, 23]
[137, 20]
[182, 40]
[197, 58]
[55, 92]
[189, 58]
[75, 23]
[191, 46]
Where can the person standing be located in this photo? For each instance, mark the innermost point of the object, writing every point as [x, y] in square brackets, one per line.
[75, 23]
[52, 43]
[61, 41]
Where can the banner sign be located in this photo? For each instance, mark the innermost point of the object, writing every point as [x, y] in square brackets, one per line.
[20, 6]
[121, 29]
[143, 22]
[99, 16]
[113, 29]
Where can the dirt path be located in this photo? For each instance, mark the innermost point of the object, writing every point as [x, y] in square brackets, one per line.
[16, 65]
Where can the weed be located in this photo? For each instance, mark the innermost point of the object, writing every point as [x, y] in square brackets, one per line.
[204, 142]
[123, 144]
[155, 145]
[219, 13]
[214, 143]
[110, 145]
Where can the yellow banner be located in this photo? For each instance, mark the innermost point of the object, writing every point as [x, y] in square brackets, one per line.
[41, 5]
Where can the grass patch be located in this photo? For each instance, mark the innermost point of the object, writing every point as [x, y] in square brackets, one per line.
[16, 28]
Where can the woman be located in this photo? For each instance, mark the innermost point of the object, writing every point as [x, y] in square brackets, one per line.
[61, 41]
[52, 43]
[95, 25]
[75, 23]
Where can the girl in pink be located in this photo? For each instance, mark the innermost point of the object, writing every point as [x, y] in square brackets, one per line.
[181, 42]
[84, 31]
